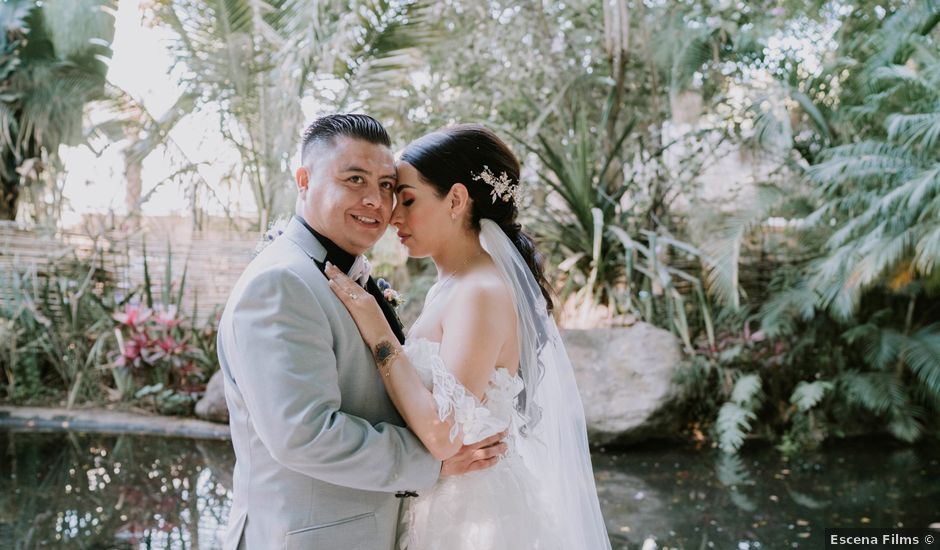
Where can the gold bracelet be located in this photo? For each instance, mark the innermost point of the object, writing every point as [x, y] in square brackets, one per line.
[384, 353]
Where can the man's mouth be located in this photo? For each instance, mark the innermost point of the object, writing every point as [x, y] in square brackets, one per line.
[365, 220]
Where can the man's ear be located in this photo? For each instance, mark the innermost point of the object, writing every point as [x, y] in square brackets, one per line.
[459, 199]
[302, 177]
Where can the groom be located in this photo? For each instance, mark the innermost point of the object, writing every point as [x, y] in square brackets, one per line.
[321, 454]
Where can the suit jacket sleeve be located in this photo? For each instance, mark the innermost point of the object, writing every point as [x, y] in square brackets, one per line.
[280, 352]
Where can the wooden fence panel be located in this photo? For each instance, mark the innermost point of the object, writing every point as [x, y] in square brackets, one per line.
[212, 261]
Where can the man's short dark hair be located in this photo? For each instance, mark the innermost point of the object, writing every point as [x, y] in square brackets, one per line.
[327, 128]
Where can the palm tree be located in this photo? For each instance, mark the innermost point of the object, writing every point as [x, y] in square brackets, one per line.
[256, 59]
[50, 67]
[869, 296]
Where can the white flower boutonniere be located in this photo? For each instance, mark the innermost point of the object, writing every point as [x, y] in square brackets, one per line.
[392, 296]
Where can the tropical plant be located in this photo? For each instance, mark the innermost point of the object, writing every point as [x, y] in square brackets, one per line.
[256, 60]
[59, 322]
[68, 326]
[160, 354]
[878, 192]
[605, 211]
[52, 62]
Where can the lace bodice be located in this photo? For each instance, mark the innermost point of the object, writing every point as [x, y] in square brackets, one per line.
[477, 419]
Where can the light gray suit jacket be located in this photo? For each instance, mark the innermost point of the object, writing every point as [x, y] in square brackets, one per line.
[320, 449]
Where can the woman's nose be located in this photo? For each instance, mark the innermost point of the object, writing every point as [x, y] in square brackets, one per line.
[396, 218]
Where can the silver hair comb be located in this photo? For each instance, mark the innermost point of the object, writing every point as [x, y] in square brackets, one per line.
[503, 189]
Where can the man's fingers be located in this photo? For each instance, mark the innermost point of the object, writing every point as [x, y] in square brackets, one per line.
[488, 453]
[482, 464]
[490, 441]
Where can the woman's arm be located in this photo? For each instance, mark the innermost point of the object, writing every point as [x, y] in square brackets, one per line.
[475, 330]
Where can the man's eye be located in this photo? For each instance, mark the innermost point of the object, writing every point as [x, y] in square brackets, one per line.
[388, 185]
[356, 179]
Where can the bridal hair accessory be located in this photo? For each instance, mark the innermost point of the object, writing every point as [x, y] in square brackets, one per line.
[503, 189]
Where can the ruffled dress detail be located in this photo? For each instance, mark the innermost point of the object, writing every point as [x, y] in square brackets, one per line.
[499, 508]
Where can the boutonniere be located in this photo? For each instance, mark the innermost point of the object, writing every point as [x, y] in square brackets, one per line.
[392, 296]
[275, 230]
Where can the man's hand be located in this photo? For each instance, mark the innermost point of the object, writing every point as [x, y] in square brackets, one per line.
[479, 456]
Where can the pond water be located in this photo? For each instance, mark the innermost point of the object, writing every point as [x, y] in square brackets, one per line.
[101, 491]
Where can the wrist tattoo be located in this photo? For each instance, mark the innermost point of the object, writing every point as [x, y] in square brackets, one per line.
[384, 352]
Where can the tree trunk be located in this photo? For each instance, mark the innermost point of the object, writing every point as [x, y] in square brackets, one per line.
[617, 44]
[133, 168]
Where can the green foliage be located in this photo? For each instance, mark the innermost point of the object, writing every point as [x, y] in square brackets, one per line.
[59, 320]
[597, 210]
[258, 59]
[807, 395]
[52, 62]
[736, 416]
[70, 334]
[162, 357]
[589, 186]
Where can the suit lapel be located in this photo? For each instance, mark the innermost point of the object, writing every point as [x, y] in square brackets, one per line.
[387, 309]
[302, 237]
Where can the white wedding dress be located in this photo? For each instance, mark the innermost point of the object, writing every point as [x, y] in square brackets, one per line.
[542, 494]
[500, 508]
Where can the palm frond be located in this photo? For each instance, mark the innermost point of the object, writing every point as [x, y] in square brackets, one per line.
[922, 355]
[921, 129]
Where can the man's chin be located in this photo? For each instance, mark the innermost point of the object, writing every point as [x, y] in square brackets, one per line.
[363, 243]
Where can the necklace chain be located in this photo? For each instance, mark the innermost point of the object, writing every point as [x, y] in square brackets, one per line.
[459, 269]
[440, 284]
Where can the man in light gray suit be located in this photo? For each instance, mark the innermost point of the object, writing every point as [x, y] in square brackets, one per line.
[321, 452]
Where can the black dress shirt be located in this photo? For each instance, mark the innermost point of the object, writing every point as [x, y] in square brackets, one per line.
[343, 260]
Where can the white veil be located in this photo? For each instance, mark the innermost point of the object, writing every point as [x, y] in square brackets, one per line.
[555, 446]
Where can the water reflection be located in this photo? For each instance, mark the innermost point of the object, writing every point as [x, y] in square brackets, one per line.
[697, 500]
[96, 491]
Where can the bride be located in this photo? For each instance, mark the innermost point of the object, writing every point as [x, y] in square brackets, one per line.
[484, 357]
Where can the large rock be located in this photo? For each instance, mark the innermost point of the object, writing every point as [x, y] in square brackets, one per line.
[212, 405]
[625, 376]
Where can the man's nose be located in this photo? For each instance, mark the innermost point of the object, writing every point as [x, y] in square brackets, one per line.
[372, 197]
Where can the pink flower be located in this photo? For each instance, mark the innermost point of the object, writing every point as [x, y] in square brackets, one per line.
[166, 317]
[134, 316]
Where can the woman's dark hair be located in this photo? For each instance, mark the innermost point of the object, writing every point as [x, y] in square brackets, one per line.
[458, 154]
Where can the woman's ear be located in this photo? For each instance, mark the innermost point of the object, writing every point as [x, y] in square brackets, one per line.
[459, 199]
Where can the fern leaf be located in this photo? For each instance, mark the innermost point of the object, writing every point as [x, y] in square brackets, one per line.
[808, 394]
[746, 390]
[733, 424]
